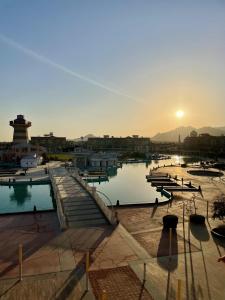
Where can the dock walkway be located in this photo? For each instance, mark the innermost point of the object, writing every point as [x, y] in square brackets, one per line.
[79, 208]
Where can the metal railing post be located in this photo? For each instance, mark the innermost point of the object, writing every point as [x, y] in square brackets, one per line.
[207, 213]
[179, 284]
[144, 276]
[87, 269]
[170, 243]
[104, 295]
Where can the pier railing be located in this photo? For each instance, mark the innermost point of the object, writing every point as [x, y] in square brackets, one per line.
[60, 213]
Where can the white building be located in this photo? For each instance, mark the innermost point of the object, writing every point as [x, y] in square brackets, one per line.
[30, 161]
[103, 160]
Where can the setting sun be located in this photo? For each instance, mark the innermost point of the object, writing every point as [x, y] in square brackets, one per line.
[179, 114]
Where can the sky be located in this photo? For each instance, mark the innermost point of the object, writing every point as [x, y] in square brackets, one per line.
[118, 67]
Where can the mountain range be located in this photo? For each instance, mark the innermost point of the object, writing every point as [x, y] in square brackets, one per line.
[173, 135]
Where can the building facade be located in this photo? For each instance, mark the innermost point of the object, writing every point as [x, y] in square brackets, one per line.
[20, 146]
[50, 142]
[205, 143]
[30, 161]
[20, 125]
[119, 144]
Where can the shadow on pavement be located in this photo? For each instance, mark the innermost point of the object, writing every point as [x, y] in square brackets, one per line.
[10, 288]
[79, 271]
[200, 232]
[164, 250]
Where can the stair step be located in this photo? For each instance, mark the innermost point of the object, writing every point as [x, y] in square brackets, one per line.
[87, 223]
[78, 202]
[81, 212]
[78, 217]
[89, 206]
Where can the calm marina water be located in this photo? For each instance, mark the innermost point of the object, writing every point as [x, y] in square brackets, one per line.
[129, 185]
[23, 197]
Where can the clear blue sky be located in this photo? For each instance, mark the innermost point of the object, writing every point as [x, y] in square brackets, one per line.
[116, 67]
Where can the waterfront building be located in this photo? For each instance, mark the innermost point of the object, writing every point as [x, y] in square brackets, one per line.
[165, 147]
[119, 144]
[84, 158]
[50, 142]
[205, 143]
[20, 125]
[30, 161]
[20, 146]
[4, 146]
[103, 160]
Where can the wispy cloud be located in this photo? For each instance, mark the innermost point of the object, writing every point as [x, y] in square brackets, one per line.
[64, 69]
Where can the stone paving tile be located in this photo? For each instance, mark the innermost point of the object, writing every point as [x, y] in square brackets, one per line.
[113, 252]
[63, 285]
[119, 283]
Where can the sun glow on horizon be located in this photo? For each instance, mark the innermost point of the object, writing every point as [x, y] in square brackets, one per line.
[180, 114]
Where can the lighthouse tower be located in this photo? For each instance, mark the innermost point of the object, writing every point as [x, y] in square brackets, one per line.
[20, 126]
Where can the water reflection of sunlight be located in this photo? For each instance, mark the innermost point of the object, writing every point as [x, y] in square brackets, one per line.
[178, 159]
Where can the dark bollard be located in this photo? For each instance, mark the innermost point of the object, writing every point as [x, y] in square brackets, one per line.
[117, 219]
[35, 212]
[156, 201]
[9, 180]
[30, 179]
[199, 188]
[14, 180]
[189, 183]
[117, 203]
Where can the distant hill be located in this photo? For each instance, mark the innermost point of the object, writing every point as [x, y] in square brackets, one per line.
[173, 135]
[221, 128]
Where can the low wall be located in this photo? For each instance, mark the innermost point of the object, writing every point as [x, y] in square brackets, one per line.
[60, 213]
[27, 182]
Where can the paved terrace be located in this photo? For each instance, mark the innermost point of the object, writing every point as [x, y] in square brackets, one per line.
[54, 261]
[194, 250]
[53, 266]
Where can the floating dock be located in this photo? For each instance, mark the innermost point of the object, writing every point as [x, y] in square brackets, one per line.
[178, 188]
[163, 182]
